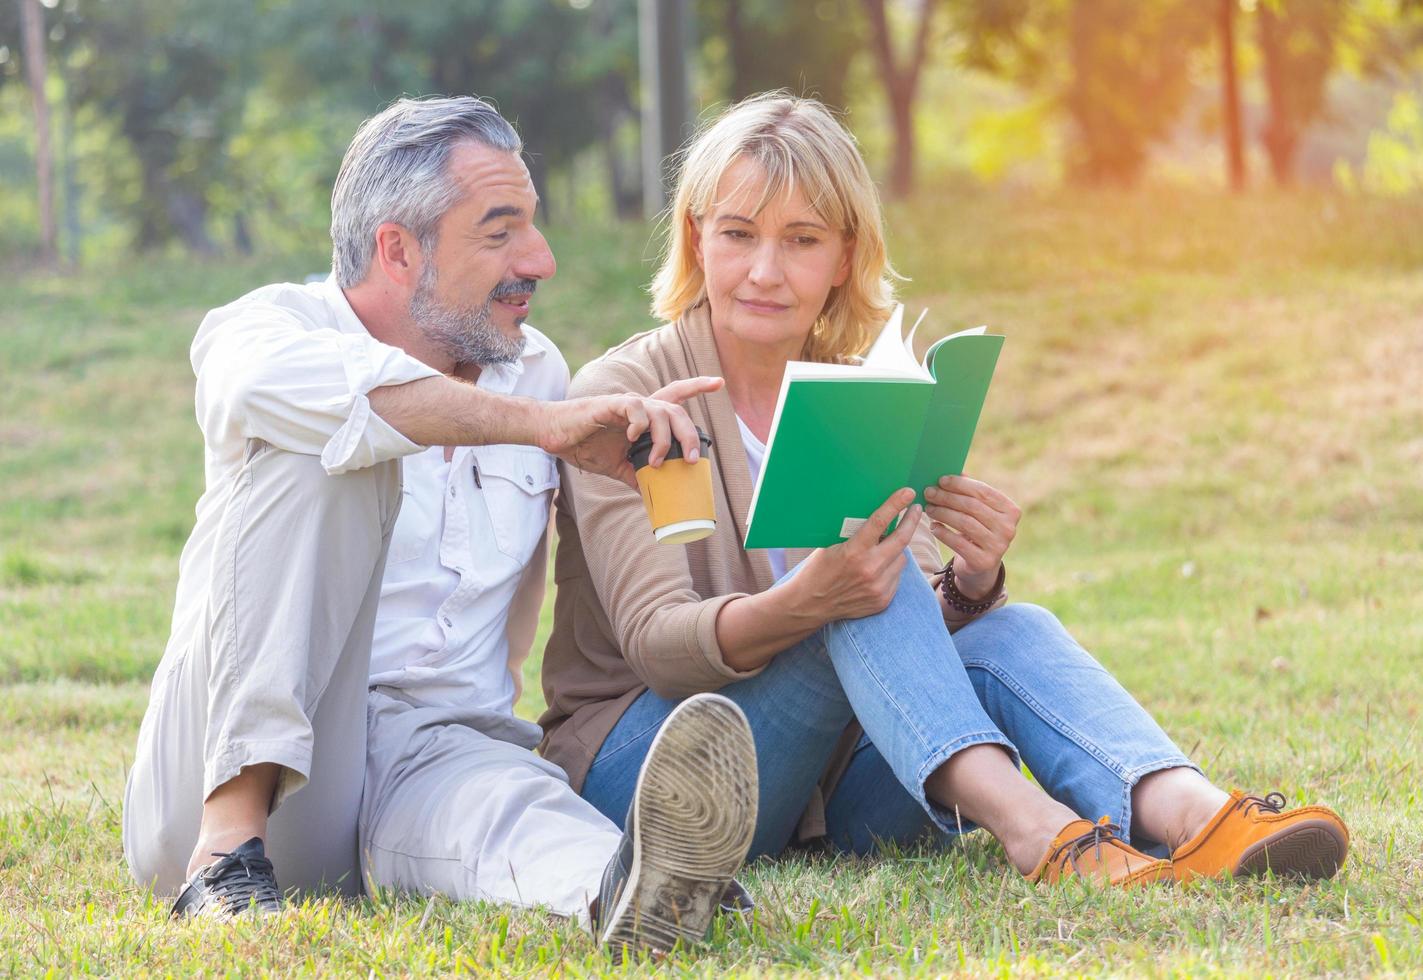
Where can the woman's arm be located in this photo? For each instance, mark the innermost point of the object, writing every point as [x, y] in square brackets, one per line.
[664, 629]
[847, 581]
[977, 523]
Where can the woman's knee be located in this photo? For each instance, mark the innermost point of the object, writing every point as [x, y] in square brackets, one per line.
[1020, 631]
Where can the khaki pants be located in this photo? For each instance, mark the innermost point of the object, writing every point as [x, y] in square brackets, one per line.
[276, 670]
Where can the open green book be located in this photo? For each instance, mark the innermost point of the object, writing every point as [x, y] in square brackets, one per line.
[846, 436]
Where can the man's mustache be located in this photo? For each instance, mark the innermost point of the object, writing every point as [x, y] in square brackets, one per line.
[513, 287]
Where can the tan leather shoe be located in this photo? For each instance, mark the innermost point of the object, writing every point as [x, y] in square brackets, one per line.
[1251, 834]
[1097, 853]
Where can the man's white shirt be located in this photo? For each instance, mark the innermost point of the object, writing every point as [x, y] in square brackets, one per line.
[292, 366]
[465, 574]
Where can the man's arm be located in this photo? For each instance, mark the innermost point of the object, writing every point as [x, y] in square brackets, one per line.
[590, 433]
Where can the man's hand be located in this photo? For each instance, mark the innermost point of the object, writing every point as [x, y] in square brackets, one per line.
[977, 523]
[594, 434]
[859, 577]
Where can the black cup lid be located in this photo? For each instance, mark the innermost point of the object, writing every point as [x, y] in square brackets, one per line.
[642, 448]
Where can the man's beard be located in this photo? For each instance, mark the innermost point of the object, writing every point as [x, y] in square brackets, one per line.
[467, 336]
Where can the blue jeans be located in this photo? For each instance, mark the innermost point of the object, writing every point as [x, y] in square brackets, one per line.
[1013, 677]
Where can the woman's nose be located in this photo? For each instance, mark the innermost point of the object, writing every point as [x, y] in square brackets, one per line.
[766, 264]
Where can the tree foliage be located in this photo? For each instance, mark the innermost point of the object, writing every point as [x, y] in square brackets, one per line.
[1117, 69]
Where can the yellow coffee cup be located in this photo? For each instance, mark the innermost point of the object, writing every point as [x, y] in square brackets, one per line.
[677, 494]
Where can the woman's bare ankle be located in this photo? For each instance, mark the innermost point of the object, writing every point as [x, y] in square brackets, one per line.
[1026, 842]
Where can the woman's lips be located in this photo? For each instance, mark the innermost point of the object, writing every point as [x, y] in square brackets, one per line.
[763, 306]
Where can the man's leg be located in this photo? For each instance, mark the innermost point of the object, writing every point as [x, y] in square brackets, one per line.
[451, 810]
[269, 696]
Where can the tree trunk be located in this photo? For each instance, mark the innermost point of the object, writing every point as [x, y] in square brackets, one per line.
[736, 45]
[1230, 96]
[901, 85]
[32, 28]
[1281, 136]
[188, 214]
[901, 172]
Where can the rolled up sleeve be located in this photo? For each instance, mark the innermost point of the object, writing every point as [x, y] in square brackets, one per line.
[263, 373]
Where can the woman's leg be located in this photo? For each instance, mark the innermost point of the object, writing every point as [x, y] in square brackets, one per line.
[1084, 738]
[868, 806]
[917, 705]
[797, 712]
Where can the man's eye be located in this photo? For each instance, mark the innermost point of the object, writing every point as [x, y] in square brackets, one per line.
[499, 236]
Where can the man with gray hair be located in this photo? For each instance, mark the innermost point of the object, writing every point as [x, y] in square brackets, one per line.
[366, 570]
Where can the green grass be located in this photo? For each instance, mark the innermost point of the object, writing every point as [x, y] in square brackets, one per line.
[1211, 410]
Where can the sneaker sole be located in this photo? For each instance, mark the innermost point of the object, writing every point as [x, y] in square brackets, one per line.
[1308, 849]
[694, 815]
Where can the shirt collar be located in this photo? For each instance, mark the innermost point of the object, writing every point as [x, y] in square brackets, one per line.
[346, 319]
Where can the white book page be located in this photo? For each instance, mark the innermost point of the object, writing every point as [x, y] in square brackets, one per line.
[892, 355]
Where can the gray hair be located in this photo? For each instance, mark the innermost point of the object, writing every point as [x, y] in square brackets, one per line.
[395, 170]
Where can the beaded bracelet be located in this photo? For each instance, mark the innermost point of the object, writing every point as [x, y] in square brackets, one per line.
[957, 600]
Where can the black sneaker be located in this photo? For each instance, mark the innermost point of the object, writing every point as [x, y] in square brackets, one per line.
[688, 831]
[241, 882]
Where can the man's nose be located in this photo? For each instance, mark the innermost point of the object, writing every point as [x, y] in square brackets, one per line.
[535, 260]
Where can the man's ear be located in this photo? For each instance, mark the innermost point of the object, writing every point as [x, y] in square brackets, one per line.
[398, 254]
[694, 235]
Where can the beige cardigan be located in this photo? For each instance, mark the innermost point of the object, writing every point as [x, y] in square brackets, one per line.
[631, 614]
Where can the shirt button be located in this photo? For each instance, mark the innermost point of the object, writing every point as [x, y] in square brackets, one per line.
[447, 621]
[529, 480]
[452, 491]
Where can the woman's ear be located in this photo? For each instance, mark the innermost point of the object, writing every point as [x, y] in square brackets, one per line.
[694, 235]
[846, 261]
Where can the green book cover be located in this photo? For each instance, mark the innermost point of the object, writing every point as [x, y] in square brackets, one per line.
[846, 436]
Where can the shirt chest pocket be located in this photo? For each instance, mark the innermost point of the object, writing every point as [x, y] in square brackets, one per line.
[517, 484]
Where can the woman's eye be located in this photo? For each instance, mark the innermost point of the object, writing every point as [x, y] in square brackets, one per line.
[806, 240]
[737, 234]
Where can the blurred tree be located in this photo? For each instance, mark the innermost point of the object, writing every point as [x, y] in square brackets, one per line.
[1297, 41]
[32, 37]
[173, 74]
[1123, 81]
[615, 66]
[901, 85]
[1230, 95]
[805, 46]
[544, 63]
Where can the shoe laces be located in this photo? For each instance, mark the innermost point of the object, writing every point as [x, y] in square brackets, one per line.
[1269, 803]
[241, 879]
[1102, 832]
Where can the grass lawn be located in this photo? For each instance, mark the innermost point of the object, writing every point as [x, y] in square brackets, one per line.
[1211, 410]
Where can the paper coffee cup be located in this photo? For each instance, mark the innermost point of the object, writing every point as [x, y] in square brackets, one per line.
[677, 494]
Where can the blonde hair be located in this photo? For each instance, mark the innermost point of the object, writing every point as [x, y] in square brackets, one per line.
[796, 142]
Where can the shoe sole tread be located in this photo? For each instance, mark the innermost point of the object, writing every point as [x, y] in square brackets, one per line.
[695, 813]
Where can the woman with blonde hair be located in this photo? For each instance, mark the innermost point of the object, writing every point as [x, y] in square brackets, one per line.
[890, 697]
